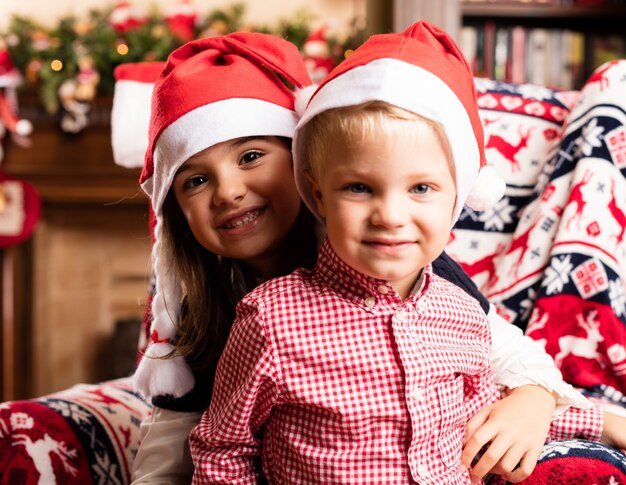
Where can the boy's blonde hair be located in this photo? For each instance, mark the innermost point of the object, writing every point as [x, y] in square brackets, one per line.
[361, 122]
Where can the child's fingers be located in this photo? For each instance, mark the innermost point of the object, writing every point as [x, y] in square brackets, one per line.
[489, 459]
[477, 436]
[475, 422]
[526, 466]
[511, 465]
[523, 471]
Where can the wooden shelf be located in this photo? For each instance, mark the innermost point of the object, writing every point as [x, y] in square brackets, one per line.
[544, 11]
[609, 18]
[576, 39]
[69, 168]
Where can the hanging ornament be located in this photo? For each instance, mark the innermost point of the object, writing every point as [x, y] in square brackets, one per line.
[181, 19]
[10, 122]
[20, 207]
[40, 40]
[317, 56]
[77, 94]
[124, 17]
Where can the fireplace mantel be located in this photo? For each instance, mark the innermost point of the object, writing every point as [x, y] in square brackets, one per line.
[68, 168]
[86, 265]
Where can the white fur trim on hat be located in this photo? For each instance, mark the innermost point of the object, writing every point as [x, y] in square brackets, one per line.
[208, 125]
[130, 118]
[410, 87]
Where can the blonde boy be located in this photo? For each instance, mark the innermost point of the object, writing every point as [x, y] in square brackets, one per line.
[367, 368]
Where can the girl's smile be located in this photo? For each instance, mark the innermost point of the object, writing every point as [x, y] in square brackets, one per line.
[244, 221]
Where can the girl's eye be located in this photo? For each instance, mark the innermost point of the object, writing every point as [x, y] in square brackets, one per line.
[421, 189]
[193, 182]
[250, 157]
[357, 188]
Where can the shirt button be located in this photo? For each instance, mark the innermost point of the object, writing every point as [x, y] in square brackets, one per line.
[401, 316]
[418, 394]
[422, 470]
[383, 289]
[370, 301]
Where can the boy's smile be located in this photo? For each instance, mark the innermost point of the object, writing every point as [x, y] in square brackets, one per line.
[387, 202]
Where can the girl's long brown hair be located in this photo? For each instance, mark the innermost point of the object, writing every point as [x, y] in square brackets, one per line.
[213, 285]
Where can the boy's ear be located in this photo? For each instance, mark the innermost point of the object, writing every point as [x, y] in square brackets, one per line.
[317, 193]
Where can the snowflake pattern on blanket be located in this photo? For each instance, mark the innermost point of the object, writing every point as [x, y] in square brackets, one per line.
[552, 253]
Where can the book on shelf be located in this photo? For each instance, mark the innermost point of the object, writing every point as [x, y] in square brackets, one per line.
[552, 57]
[537, 56]
[518, 54]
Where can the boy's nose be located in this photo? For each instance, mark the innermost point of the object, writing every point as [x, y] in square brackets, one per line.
[389, 212]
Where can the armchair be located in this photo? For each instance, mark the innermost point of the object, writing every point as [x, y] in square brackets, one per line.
[551, 256]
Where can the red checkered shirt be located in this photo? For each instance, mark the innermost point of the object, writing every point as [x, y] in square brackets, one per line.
[330, 377]
[333, 378]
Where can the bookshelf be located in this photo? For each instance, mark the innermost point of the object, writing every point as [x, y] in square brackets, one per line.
[553, 43]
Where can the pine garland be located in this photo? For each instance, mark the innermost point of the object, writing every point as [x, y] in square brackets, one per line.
[48, 57]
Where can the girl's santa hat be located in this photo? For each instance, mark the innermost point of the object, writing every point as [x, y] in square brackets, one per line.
[211, 90]
[423, 71]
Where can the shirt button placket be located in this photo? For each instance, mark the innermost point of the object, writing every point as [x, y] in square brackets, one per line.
[418, 393]
[422, 470]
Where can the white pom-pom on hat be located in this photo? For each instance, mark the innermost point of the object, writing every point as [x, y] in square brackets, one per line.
[487, 189]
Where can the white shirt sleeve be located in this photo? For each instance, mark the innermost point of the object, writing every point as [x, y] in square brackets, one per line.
[519, 360]
[163, 456]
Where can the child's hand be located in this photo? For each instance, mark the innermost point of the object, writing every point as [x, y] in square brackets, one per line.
[514, 430]
[614, 431]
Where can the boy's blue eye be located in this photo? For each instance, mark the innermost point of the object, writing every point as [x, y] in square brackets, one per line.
[358, 188]
[420, 189]
[250, 157]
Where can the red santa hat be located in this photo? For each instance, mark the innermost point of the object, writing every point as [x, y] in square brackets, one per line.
[130, 114]
[210, 91]
[423, 71]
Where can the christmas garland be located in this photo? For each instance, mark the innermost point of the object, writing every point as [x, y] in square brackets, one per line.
[72, 63]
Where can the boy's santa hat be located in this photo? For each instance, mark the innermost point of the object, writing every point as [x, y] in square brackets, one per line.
[211, 90]
[423, 71]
